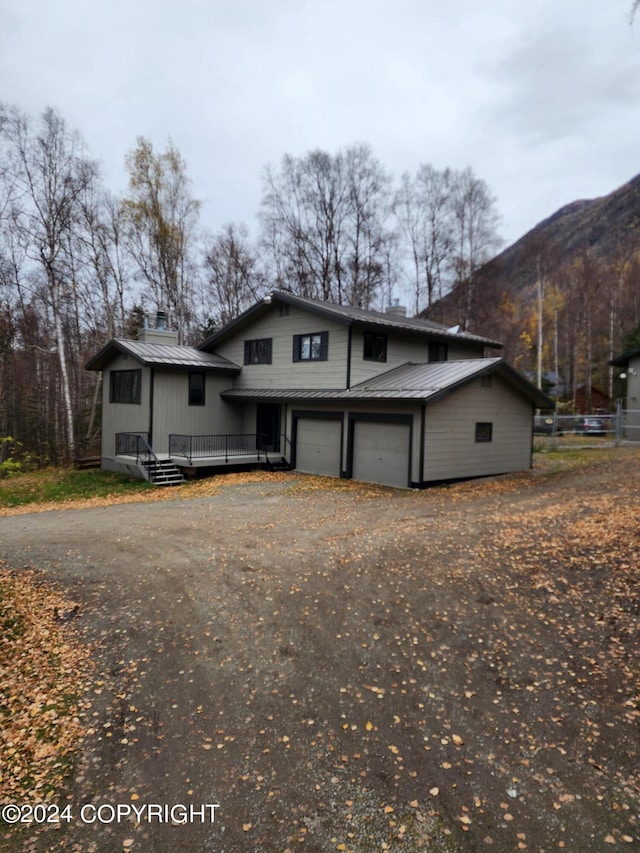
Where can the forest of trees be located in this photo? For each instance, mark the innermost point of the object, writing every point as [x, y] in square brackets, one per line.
[571, 316]
[79, 266]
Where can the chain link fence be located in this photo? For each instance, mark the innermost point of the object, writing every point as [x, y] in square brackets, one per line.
[623, 425]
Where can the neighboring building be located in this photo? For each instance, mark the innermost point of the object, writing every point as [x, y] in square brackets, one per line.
[552, 383]
[630, 364]
[328, 389]
[591, 399]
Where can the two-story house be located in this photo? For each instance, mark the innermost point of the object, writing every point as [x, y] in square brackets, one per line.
[329, 389]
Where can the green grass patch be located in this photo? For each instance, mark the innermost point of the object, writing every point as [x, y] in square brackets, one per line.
[61, 485]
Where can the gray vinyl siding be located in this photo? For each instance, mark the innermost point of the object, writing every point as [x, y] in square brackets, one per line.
[451, 450]
[400, 350]
[283, 372]
[173, 414]
[633, 384]
[171, 410]
[248, 416]
[632, 417]
[123, 417]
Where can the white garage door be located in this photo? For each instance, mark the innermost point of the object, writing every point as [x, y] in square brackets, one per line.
[318, 446]
[381, 453]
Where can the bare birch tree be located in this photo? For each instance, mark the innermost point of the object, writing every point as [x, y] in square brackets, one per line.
[324, 224]
[233, 280]
[107, 261]
[423, 206]
[162, 216]
[475, 235]
[51, 173]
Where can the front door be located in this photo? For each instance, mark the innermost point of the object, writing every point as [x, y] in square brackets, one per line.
[268, 427]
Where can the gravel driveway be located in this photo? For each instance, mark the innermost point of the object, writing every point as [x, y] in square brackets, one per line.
[313, 665]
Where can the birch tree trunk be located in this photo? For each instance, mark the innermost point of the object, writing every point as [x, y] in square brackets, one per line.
[64, 373]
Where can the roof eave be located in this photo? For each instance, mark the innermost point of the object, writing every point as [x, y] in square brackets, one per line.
[327, 311]
[116, 346]
[261, 307]
[542, 400]
[193, 366]
[624, 359]
[104, 356]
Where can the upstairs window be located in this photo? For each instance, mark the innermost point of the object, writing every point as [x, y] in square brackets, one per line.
[313, 347]
[375, 347]
[438, 352]
[258, 351]
[196, 389]
[125, 386]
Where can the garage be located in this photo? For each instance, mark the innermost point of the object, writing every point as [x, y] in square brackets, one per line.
[381, 452]
[318, 445]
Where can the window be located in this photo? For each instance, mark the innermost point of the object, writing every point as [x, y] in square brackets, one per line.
[124, 386]
[283, 310]
[311, 347]
[486, 382]
[258, 351]
[484, 432]
[438, 352]
[375, 347]
[196, 389]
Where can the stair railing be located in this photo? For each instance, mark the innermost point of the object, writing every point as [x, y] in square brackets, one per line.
[144, 449]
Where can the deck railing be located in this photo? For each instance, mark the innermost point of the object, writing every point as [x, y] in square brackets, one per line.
[131, 443]
[217, 446]
[137, 444]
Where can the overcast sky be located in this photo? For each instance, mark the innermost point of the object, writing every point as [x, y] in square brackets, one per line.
[541, 99]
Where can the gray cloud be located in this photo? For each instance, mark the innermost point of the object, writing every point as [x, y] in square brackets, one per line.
[540, 99]
[559, 84]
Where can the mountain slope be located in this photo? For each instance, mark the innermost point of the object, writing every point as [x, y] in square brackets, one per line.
[587, 257]
[604, 226]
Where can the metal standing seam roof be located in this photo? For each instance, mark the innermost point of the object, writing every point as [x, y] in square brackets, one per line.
[419, 382]
[348, 314]
[406, 382]
[169, 355]
[424, 380]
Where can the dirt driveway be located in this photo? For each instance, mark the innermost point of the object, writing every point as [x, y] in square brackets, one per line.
[343, 667]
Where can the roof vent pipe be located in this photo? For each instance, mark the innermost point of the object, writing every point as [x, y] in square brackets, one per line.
[161, 321]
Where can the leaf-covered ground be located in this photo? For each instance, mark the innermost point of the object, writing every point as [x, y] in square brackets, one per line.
[355, 668]
[45, 677]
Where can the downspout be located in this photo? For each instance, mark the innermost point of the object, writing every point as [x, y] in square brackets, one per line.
[423, 421]
[283, 450]
[533, 416]
[151, 384]
[349, 339]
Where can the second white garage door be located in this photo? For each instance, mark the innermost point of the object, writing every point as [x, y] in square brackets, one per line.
[381, 453]
[318, 446]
